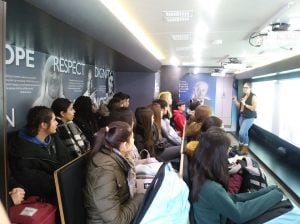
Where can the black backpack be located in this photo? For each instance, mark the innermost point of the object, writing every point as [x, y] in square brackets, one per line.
[253, 176]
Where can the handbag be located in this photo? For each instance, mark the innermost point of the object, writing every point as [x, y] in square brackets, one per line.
[145, 173]
[32, 211]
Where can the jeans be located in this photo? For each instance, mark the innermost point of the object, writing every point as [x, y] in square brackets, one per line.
[168, 154]
[245, 125]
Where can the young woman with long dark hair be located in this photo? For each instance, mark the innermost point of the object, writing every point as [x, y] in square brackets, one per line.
[147, 136]
[211, 202]
[85, 118]
[67, 130]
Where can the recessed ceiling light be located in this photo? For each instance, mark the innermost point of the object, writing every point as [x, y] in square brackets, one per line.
[196, 70]
[182, 36]
[217, 42]
[172, 16]
[174, 61]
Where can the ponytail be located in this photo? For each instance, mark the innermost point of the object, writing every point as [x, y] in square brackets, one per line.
[112, 136]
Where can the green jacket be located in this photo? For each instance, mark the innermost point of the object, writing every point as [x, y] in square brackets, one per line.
[215, 205]
[107, 197]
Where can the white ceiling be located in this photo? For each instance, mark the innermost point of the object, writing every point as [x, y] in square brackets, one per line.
[232, 21]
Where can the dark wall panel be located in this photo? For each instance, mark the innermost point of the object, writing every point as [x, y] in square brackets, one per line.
[140, 87]
[31, 28]
[3, 156]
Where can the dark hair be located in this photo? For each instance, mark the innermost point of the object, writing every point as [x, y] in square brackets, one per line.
[112, 136]
[83, 107]
[59, 105]
[194, 105]
[156, 108]
[143, 117]
[35, 117]
[209, 161]
[180, 103]
[122, 114]
[121, 96]
[202, 112]
[209, 122]
[114, 103]
[163, 104]
[248, 83]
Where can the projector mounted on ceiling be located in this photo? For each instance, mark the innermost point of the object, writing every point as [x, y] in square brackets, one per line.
[280, 27]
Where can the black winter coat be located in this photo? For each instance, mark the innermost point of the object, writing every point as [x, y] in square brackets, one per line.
[33, 165]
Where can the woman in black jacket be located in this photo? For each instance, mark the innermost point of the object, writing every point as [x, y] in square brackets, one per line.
[67, 130]
[35, 152]
[85, 118]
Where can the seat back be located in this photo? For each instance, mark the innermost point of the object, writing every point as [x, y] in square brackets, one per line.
[69, 183]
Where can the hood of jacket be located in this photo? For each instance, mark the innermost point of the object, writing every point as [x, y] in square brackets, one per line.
[23, 135]
[24, 146]
[177, 112]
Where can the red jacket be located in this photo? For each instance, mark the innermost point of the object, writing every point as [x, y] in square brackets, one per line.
[179, 120]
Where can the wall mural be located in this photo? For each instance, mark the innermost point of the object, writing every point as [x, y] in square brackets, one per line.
[215, 92]
[35, 78]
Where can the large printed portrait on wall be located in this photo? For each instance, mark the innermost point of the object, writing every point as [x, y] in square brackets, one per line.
[198, 88]
[51, 84]
[215, 92]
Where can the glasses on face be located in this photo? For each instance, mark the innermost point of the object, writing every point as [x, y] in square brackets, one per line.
[245, 87]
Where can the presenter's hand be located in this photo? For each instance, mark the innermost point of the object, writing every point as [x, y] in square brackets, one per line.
[243, 101]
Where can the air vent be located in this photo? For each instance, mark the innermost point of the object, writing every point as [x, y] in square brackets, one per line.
[181, 36]
[177, 16]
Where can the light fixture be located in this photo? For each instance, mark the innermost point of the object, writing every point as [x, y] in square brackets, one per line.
[217, 42]
[196, 70]
[181, 36]
[219, 74]
[210, 6]
[177, 16]
[201, 30]
[123, 16]
[264, 76]
[174, 61]
[289, 71]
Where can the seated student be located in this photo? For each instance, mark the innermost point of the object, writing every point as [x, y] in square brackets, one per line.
[179, 117]
[191, 113]
[167, 96]
[192, 131]
[124, 99]
[126, 115]
[167, 130]
[67, 130]
[85, 118]
[110, 184]
[35, 152]
[114, 103]
[207, 123]
[209, 177]
[147, 137]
